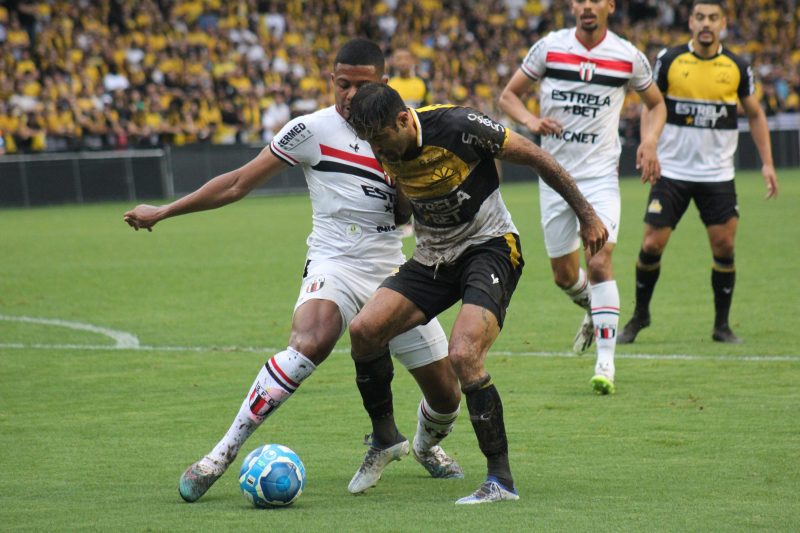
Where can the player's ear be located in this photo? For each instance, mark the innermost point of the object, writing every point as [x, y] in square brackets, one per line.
[402, 119]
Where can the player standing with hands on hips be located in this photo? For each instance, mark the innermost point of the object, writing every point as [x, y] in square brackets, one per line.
[702, 82]
[584, 72]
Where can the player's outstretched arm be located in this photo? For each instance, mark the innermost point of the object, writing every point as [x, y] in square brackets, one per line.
[759, 129]
[654, 116]
[522, 151]
[512, 105]
[221, 190]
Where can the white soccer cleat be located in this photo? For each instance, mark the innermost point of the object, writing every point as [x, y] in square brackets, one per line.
[197, 479]
[437, 462]
[585, 335]
[490, 491]
[376, 459]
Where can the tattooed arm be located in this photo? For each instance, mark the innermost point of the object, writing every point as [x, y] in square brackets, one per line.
[522, 151]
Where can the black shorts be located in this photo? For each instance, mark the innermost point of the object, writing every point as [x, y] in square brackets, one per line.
[485, 275]
[669, 199]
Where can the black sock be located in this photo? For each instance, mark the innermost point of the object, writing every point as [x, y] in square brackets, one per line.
[486, 415]
[648, 268]
[723, 279]
[374, 380]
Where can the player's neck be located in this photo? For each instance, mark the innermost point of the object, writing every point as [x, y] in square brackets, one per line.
[591, 38]
[705, 51]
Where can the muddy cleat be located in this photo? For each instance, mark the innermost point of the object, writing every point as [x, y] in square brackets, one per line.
[196, 481]
[724, 334]
[438, 463]
[490, 491]
[631, 329]
[376, 459]
[585, 336]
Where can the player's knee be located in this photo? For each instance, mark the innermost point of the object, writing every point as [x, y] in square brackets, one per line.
[365, 336]
[564, 278]
[722, 246]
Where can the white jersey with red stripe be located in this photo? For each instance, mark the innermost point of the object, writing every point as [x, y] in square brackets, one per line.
[352, 200]
[584, 89]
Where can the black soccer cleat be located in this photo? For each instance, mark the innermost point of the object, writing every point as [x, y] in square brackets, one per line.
[724, 334]
[632, 328]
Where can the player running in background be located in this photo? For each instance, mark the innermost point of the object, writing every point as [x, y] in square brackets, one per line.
[353, 246]
[468, 249]
[702, 83]
[584, 72]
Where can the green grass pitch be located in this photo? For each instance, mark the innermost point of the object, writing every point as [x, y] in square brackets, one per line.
[699, 437]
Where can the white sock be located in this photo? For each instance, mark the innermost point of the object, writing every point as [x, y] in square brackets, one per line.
[432, 427]
[581, 292]
[275, 383]
[605, 315]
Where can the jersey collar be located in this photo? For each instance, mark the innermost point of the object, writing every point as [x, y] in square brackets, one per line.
[585, 46]
[691, 49]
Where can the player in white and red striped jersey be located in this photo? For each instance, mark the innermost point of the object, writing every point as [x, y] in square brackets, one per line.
[583, 74]
[354, 245]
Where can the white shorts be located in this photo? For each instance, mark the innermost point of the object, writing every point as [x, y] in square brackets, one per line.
[350, 288]
[559, 223]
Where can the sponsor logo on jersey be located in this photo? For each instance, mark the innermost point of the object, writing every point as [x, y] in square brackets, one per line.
[313, 285]
[485, 121]
[586, 70]
[354, 231]
[655, 207]
[576, 137]
[295, 136]
[701, 115]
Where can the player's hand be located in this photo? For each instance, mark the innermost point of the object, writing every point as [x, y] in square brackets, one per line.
[647, 162]
[771, 180]
[544, 126]
[594, 234]
[142, 217]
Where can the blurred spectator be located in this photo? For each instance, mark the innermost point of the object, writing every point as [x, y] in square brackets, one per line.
[125, 73]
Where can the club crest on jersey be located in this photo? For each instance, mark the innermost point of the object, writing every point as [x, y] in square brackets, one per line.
[315, 284]
[586, 70]
[655, 207]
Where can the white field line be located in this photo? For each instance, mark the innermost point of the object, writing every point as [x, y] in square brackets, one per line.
[128, 341]
[266, 349]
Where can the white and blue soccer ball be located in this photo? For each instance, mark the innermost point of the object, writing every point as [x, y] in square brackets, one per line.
[272, 475]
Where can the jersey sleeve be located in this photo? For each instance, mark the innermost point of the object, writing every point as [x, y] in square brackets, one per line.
[661, 69]
[747, 80]
[295, 144]
[484, 134]
[642, 76]
[534, 63]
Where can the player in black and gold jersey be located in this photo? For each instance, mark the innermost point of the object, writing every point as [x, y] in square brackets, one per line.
[702, 84]
[442, 161]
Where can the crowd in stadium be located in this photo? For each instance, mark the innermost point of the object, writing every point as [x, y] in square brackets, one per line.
[137, 73]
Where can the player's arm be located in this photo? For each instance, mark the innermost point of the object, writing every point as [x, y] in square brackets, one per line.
[512, 105]
[402, 208]
[522, 151]
[654, 116]
[221, 190]
[760, 132]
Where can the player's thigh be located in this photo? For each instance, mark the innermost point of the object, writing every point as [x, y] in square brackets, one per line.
[559, 224]
[346, 286]
[420, 346]
[490, 274]
[716, 202]
[667, 202]
[603, 194]
[386, 315]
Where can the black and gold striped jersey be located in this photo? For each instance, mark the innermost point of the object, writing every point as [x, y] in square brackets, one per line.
[452, 184]
[701, 134]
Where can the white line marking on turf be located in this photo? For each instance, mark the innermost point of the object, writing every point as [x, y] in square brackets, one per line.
[121, 338]
[501, 353]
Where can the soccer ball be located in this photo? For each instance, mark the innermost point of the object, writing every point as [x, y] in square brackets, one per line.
[272, 476]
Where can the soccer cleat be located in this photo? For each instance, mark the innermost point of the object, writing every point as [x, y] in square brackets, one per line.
[196, 481]
[490, 491]
[632, 328]
[603, 385]
[724, 334]
[376, 459]
[438, 463]
[585, 335]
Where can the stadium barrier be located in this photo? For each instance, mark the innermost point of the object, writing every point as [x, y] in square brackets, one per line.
[135, 175]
